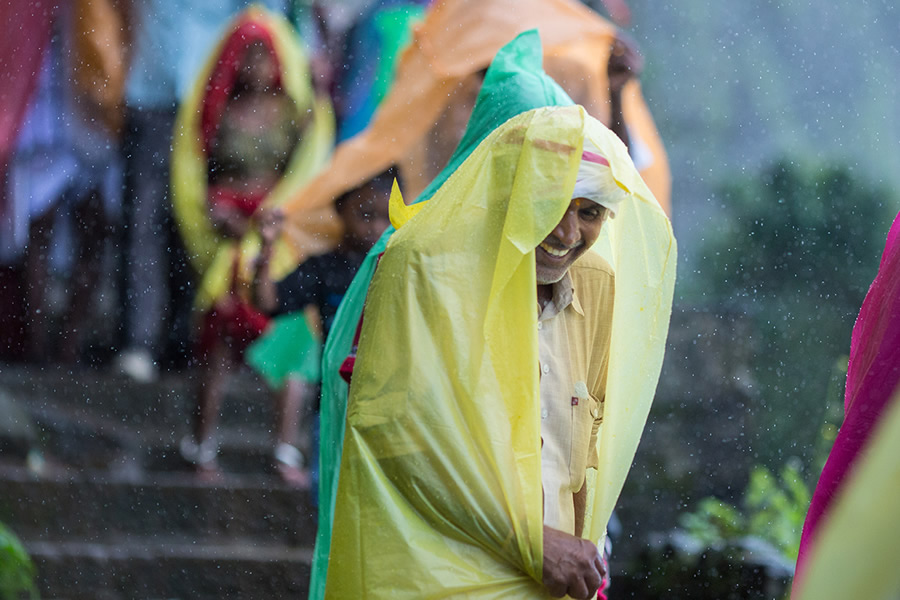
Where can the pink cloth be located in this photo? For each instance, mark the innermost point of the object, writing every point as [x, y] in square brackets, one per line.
[872, 378]
[26, 35]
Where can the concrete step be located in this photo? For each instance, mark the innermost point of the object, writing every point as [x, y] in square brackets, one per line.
[99, 508]
[145, 569]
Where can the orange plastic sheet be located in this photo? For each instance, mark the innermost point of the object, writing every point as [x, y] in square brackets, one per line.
[99, 61]
[440, 483]
[457, 39]
[211, 254]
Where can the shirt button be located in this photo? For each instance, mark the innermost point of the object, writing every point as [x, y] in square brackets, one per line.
[544, 413]
[540, 325]
[545, 369]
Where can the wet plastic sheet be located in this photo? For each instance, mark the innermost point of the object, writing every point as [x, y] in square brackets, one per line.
[286, 349]
[440, 483]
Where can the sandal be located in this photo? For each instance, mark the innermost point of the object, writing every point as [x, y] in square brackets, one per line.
[203, 455]
[289, 462]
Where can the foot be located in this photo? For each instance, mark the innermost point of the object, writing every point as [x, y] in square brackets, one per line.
[289, 463]
[203, 456]
[209, 472]
[138, 364]
[294, 477]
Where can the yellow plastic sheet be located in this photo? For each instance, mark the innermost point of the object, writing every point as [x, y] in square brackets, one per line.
[440, 481]
[211, 254]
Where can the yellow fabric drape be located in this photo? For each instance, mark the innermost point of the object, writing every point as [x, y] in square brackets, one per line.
[855, 553]
[459, 38]
[440, 480]
[211, 254]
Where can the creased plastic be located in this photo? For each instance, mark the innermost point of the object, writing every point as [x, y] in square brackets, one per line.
[440, 483]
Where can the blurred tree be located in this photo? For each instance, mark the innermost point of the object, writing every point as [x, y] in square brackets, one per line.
[796, 252]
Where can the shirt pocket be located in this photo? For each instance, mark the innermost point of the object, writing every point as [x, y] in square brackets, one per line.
[585, 411]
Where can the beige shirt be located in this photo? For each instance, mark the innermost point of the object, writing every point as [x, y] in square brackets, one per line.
[573, 351]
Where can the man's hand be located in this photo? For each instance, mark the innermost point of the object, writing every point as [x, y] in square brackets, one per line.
[625, 62]
[572, 565]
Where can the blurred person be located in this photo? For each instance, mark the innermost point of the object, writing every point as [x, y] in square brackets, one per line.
[451, 433]
[21, 54]
[64, 181]
[251, 131]
[617, 10]
[170, 40]
[367, 60]
[280, 355]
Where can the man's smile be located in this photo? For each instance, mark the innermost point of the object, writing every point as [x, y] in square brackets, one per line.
[556, 252]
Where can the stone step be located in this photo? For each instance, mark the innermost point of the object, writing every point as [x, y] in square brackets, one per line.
[100, 508]
[92, 442]
[155, 569]
[167, 402]
[81, 423]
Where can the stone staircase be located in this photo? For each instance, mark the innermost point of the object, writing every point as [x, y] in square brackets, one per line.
[92, 482]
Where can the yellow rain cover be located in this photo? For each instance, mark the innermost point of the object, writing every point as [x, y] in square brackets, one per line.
[440, 480]
[211, 254]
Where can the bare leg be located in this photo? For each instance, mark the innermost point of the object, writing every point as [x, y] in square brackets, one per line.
[36, 269]
[92, 235]
[213, 376]
[291, 402]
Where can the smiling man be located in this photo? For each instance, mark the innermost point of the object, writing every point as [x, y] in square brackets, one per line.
[493, 415]
[575, 290]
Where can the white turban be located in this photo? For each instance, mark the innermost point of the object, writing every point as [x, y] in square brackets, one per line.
[595, 180]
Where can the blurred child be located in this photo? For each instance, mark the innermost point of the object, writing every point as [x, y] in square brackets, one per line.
[320, 283]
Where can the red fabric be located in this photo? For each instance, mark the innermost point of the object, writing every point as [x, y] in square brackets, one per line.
[346, 368]
[224, 196]
[872, 377]
[235, 322]
[22, 46]
[224, 75]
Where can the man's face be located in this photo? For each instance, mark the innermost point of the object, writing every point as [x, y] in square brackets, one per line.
[571, 238]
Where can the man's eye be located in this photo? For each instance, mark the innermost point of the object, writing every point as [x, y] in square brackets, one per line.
[590, 214]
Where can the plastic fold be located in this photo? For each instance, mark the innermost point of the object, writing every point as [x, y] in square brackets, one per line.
[440, 482]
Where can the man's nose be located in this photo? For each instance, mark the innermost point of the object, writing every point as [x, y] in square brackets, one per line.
[567, 231]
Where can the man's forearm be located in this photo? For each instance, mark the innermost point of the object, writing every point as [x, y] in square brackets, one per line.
[617, 118]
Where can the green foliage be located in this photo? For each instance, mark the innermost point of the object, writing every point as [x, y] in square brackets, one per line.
[799, 234]
[796, 249]
[772, 510]
[16, 569]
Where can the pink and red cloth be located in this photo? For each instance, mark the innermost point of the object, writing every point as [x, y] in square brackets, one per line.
[873, 376]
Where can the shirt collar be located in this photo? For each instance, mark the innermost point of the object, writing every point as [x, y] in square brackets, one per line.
[563, 296]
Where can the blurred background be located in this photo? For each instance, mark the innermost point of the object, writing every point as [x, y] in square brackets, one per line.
[783, 138]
